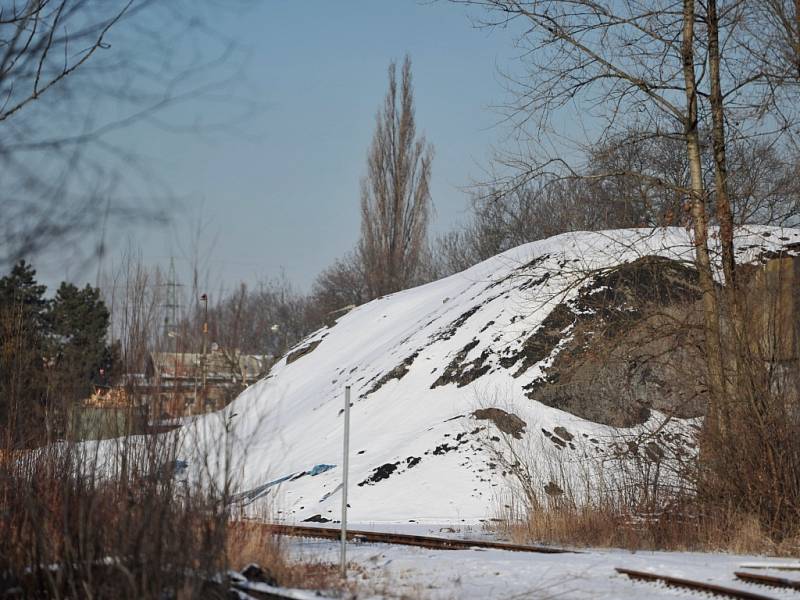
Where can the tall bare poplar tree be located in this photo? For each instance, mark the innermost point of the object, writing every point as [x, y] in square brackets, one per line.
[395, 194]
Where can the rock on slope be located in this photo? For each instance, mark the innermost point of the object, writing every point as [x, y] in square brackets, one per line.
[435, 371]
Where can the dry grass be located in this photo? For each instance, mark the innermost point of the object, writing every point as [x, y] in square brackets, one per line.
[661, 500]
[248, 542]
[605, 527]
[143, 533]
[70, 530]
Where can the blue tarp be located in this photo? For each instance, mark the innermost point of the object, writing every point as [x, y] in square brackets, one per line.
[250, 495]
[320, 469]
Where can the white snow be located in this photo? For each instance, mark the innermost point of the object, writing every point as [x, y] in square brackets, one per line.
[290, 422]
[395, 571]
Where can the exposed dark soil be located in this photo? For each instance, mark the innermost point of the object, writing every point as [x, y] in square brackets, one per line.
[450, 330]
[544, 340]
[610, 302]
[463, 373]
[563, 434]
[316, 519]
[623, 343]
[380, 473]
[553, 489]
[485, 327]
[455, 443]
[506, 422]
[397, 373]
[301, 352]
[443, 449]
[632, 332]
[534, 282]
[526, 268]
[387, 470]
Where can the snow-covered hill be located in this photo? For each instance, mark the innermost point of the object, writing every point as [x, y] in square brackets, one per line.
[421, 363]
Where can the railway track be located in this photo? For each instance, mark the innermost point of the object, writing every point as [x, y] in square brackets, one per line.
[770, 580]
[439, 543]
[772, 566]
[421, 541]
[700, 586]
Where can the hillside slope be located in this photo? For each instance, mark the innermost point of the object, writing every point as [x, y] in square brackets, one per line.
[425, 364]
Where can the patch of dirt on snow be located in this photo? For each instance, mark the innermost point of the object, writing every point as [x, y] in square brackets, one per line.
[563, 434]
[525, 269]
[380, 473]
[543, 341]
[553, 489]
[316, 519]
[450, 330]
[463, 373]
[506, 422]
[301, 352]
[397, 373]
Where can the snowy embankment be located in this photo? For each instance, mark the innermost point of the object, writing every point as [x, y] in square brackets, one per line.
[420, 363]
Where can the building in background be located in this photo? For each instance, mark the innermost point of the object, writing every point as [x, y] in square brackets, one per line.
[174, 385]
[188, 383]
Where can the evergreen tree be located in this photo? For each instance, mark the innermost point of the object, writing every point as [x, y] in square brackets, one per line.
[20, 291]
[51, 353]
[79, 323]
[24, 326]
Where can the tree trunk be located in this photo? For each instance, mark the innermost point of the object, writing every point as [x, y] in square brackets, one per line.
[713, 341]
[724, 211]
[797, 32]
[735, 358]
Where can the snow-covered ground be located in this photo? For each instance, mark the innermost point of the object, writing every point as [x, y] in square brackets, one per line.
[395, 571]
[416, 450]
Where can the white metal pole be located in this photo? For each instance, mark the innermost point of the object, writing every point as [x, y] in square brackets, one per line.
[345, 466]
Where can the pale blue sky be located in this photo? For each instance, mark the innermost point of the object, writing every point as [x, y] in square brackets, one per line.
[281, 189]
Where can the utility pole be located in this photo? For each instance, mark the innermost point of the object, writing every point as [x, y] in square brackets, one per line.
[171, 325]
[204, 299]
[345, 468]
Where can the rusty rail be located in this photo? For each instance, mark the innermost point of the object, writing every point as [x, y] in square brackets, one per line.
[772, 566]
[700, 586]
[771, 580]
[422, 541]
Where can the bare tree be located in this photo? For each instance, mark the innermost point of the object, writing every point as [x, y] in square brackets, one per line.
[657, 69]
[765, 184]
[607, 194]
[395, 194]
[73, 74]
[686, 72]
[135, 296]
[267, 320]
[759, 180]
[338, 288]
